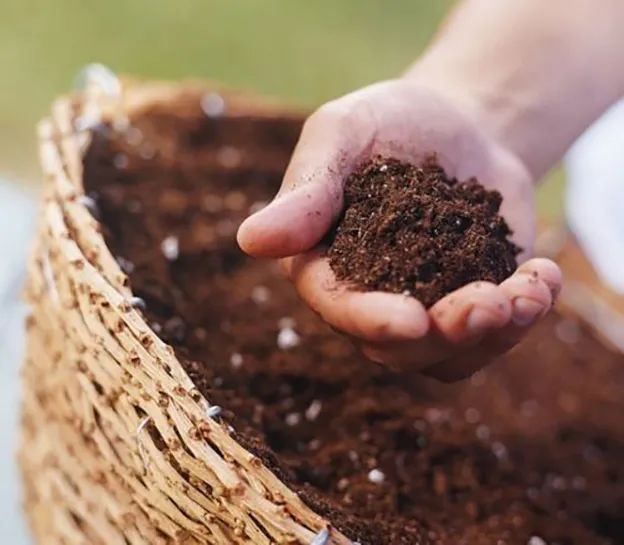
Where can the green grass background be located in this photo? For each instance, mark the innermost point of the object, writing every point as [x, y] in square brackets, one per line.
[303, 51]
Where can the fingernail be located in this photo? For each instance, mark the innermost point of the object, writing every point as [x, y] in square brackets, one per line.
[526, 311]
[480, 320]
[373, 355]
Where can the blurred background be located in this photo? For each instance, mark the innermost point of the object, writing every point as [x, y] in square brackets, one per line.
[302, 52]
[299, 51]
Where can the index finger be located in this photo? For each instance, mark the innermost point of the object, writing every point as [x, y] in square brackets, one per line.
[371, 316]
[310, 199]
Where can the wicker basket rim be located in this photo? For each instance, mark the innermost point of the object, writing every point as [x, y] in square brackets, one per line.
[248, 486]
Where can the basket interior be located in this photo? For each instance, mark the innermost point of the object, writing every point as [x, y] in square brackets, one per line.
[530, 447]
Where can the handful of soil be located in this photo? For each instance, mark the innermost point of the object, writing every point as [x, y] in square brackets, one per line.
[414, 230]
[503, 459]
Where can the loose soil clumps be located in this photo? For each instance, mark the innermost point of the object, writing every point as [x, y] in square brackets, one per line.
[528, 451]
[414, 230]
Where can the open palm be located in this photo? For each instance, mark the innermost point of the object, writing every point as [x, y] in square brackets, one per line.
[467, 328]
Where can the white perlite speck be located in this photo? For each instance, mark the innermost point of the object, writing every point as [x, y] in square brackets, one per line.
[321, 538]
[170, 248]
[213, 411]
[536, 540]
[147, 151]
[568, 331]
[292, 419]
[125, 264]
[499, 450]
[90, 204]
[342, 484]
[229, 157]
[376, 476]
[287, 338]
[236, 360]
[314, 410]
[212, 104]
[472, 415]
[260, 295]
[137, 302]
[482, 432]
[120, 161]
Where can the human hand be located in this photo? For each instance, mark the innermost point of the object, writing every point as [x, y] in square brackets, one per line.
[402, 119]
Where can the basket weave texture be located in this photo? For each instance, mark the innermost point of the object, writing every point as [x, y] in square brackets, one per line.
[103, 394]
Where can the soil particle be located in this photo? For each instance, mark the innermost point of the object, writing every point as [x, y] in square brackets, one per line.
[500, 458]
[413, 230]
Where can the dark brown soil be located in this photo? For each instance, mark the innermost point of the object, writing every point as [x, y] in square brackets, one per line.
[413, 230]
[533, 447]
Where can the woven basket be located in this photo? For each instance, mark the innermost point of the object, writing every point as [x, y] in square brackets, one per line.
[96, 376]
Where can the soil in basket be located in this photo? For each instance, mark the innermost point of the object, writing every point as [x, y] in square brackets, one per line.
[531, 448]
[414, 230]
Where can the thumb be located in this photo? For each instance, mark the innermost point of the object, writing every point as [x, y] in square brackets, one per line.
[333, 140]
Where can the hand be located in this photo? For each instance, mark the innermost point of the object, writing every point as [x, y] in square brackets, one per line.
[399, 118]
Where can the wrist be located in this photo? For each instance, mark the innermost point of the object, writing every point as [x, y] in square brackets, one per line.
[534, 113]
[501, 117]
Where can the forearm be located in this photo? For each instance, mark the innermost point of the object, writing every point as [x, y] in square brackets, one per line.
[533, 73]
